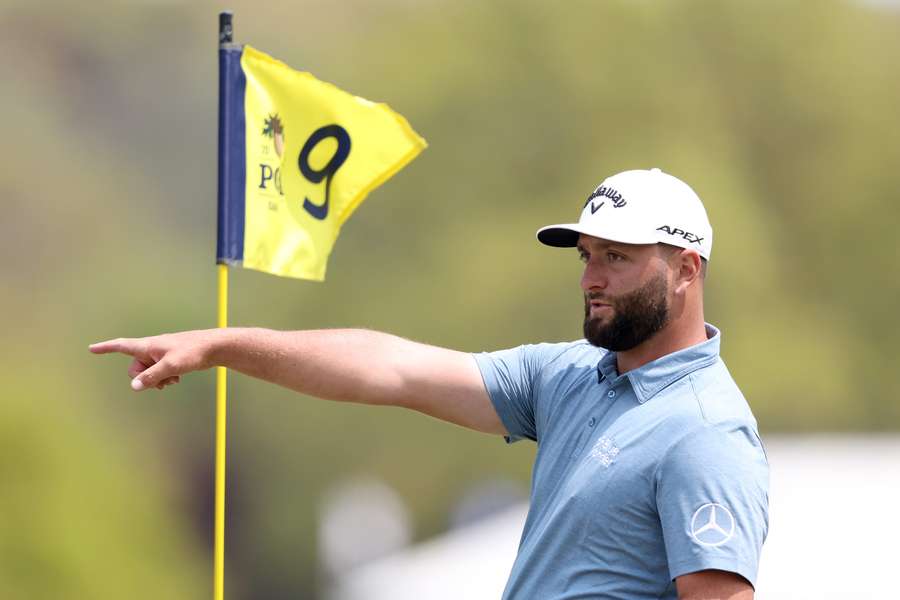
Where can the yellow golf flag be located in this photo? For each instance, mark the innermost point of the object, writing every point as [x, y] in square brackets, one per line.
[298, 156]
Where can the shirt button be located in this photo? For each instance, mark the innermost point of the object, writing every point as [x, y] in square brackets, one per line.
[592, 422]
[611, 393]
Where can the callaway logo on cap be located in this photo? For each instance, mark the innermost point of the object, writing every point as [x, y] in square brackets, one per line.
[639, 207]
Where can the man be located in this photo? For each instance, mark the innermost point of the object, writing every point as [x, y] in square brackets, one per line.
[650, 480]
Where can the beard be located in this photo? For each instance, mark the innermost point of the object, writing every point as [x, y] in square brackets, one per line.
[637, 316]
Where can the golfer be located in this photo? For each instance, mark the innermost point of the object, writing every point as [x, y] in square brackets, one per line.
[650, 480]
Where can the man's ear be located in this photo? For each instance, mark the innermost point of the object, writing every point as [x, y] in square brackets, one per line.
[688, 268]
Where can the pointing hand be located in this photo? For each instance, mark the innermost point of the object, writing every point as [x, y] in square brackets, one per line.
[161, 360]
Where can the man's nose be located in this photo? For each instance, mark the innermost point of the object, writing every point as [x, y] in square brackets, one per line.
[593, 277]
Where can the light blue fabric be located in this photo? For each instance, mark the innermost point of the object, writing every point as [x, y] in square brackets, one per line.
[639, 478]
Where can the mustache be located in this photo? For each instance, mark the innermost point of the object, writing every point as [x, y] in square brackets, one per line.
[588, 296]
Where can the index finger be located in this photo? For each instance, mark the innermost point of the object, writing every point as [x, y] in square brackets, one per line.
[124, 345]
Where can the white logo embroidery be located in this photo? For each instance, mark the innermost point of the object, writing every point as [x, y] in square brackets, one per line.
[712, 525]
[605, 450]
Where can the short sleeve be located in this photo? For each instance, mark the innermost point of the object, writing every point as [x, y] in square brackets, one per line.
[712, 497]
[509, 378]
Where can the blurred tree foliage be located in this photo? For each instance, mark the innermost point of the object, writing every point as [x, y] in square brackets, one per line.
[781, 114]
[83, 515]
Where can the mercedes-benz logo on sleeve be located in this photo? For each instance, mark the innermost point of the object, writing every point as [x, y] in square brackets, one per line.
[712, 525]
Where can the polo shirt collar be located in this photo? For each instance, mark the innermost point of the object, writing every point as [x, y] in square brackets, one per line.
[651, 378]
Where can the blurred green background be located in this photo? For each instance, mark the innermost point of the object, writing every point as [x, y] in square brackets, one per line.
[781, 114]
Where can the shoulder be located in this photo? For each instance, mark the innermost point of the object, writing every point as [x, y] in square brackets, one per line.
[718, 397]
[566, 354]
[710, 423]
[548, 355]
[703, 399]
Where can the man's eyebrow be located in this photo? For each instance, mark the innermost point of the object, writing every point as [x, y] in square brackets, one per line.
[603, 246]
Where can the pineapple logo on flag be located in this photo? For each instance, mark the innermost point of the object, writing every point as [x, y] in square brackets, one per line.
[275, 130]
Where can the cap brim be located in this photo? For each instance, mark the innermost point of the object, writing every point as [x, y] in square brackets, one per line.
[559, 236]
[565, 235]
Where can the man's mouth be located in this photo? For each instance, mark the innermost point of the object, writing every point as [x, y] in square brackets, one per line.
[597, 306]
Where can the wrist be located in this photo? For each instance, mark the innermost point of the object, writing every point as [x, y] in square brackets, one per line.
[218, 347]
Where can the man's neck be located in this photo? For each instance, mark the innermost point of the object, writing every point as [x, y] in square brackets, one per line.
[672, 338]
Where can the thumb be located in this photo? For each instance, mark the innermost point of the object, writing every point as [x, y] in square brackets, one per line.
[150, 377]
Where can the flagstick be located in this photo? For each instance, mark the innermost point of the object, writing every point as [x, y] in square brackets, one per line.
[219, 549]
[225, 37]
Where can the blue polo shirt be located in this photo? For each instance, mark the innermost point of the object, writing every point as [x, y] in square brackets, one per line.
[638, 478]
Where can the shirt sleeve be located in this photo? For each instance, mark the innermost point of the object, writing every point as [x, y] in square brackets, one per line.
[509, 378]
[712, 498]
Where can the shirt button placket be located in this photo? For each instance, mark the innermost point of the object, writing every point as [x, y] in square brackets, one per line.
[611, 394]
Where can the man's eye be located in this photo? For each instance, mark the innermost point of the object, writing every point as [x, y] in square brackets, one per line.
[613, 257]
[583, 256]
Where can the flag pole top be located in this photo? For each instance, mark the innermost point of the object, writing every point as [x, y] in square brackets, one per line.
[226, 30]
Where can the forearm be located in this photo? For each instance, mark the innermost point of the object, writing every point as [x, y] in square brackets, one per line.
[368, 367]
[353, 365]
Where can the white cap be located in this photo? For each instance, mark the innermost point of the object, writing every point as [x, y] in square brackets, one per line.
[639, 207]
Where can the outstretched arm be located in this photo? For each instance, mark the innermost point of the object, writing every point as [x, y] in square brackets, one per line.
[349, 365]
